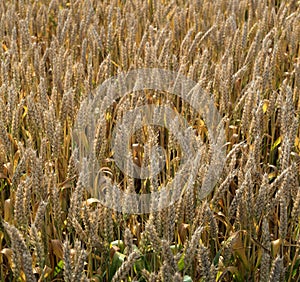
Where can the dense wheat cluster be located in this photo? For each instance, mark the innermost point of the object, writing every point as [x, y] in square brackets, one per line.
[245, 54]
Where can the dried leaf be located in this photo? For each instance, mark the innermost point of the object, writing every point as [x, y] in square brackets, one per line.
[8, 211]
[8, 253]
[275, 246]
[57, 248]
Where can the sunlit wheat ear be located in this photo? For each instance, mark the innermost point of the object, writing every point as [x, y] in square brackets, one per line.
[68, 269]
[204, 263]
[77, 198]
[239, 195]
[287, 106]
[165, 272]
[164, 54]
[283, 226]
[108, 225]
[223, 187]
[11, 104]
[27, 196]
[249, 202]
[152, 236]
[82, 234]
[265, 260]
[19, 213]
[39, 248]
[276, 270]
[262, 197]
[266, 74]
[79, 265]
[177, 277]
[20, 251]
[34, 115]
[15, 129]
[73, 166]
[55, 199]
[100, 141]
[296, 207]
[148, 276]
[3, 157]
[57, 140]
[67, 105]
[170, 229]
[123, 271]
[37, 179]
[168, 255]
[192, 246]
[247, 111]
[286, 152]
[256, 127]
[40, 215]
[212, 223]
[241, 217]
[189, 199]
[85, 216]
[3, 134]
[94, 228]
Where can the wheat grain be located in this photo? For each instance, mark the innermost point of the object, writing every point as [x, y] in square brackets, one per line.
[126, 266]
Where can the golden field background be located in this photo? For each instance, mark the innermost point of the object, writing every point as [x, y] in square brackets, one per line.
[245, 54]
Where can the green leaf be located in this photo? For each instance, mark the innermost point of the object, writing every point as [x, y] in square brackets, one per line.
[181, 263]
[296, 268]
[59, 267]
[139, 266]
[276, 143]
[216, 258]
[117, 261]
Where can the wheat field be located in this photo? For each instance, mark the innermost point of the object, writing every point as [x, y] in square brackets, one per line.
[245, 54]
